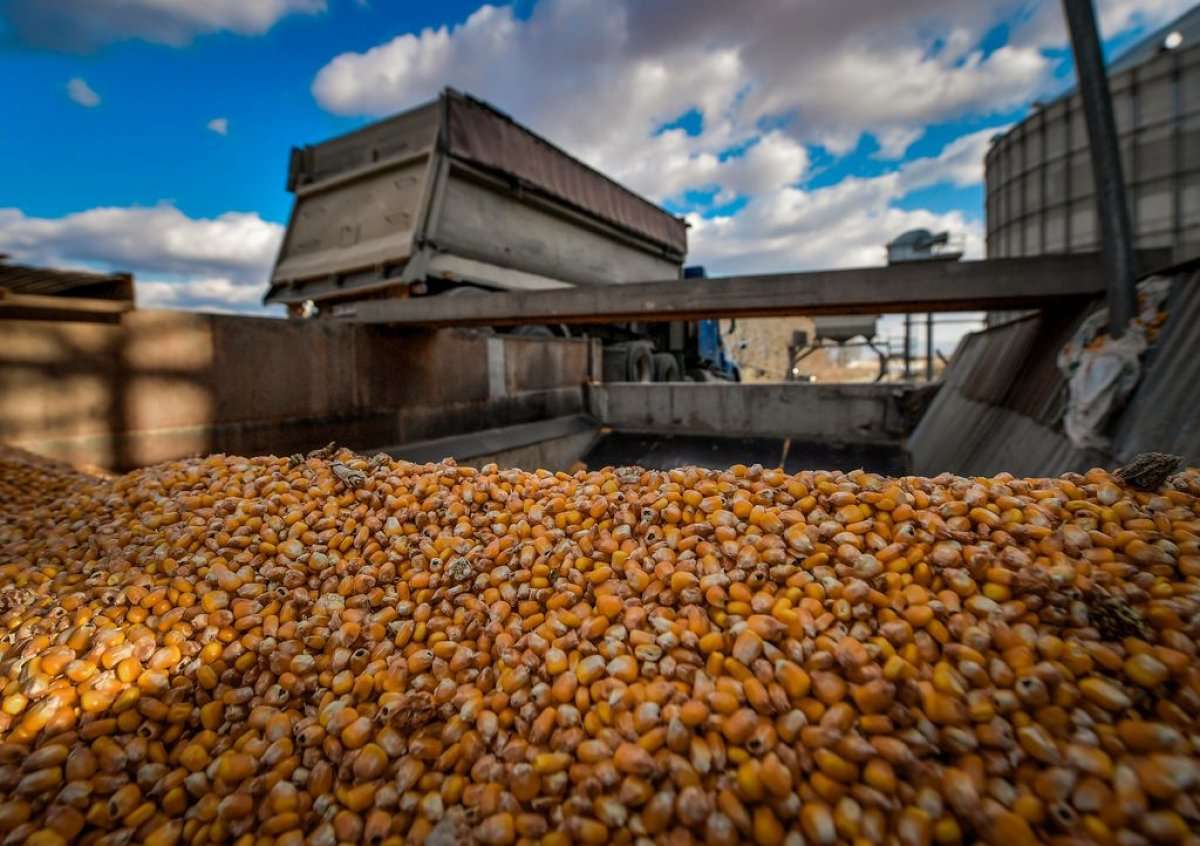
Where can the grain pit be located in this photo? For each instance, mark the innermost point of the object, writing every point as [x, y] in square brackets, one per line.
[267, 650]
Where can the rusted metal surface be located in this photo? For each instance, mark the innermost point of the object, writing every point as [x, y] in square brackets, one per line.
[42, 293]
[47, 282]
[69, 308]
[487, 137]
[1009, 376]
[456, 192]
[161, 385]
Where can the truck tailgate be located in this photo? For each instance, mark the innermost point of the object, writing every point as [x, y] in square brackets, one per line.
[354, 221]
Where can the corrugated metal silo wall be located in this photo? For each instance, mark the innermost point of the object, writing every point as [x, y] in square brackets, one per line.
[1040, 193]
[1000, 405]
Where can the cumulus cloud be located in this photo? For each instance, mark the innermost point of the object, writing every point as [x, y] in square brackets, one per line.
[667, 166]
[82, 93]
[80, 25]
[219, 125]
[820, 73]
[959, 164]
[176, 260]
[843, 225]
[603, 78]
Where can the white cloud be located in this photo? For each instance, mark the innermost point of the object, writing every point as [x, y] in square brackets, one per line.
[770, 160]
[219, 125]
[843, 225]
[668, 165]
[176, 260]
[895, 141]
[82, 93]
[87, 24]
[1043, 25]
[821, 73]
[959, 164]
[602, 78]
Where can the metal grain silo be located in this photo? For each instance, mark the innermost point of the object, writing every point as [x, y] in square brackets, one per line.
[1039, 188]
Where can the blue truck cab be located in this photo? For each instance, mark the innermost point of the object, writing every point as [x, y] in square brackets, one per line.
[710, 348]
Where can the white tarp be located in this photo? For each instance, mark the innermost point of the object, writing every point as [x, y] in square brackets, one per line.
[1102, 372]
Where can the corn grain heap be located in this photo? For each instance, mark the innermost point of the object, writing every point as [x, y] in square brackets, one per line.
[334, 649]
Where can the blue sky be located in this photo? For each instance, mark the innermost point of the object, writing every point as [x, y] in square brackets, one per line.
[803, 136]
[146, 142]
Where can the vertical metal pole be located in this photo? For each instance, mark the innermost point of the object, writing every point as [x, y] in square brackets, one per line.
[908, 374]
[929, 347]
[1116, 233]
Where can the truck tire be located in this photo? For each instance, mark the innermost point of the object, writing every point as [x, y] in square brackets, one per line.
[533, 330]
[640, 366]
[666, 368]
[629, 362]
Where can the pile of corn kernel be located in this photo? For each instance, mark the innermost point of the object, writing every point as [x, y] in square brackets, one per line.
[335, 649]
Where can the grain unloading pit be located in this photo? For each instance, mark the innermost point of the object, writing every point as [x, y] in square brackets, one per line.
[698, 622]
[340, 648]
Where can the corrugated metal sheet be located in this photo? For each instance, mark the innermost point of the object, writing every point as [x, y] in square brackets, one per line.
[42, 281]
[1037, 389]
[1164, 414]
[489, 138]
[1005, 374]
[1000, 405]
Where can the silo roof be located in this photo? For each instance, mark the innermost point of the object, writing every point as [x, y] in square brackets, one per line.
[1187, 25]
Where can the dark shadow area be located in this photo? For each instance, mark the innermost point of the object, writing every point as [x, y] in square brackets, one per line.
[68, 387]
[665, 451]
[160, 385]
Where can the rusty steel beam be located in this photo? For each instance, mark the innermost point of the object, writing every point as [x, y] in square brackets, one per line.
[1011, 283]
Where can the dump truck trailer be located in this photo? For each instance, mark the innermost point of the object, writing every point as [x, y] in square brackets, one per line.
[455, 198]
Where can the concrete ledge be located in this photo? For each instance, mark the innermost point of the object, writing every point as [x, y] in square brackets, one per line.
[497, 441]
[833, 413]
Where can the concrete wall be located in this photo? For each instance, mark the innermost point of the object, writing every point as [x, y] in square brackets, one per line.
[162, 384]
[836, 413]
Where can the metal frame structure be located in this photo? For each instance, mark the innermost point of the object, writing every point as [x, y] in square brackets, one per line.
[1039, 282]
[797, 352]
